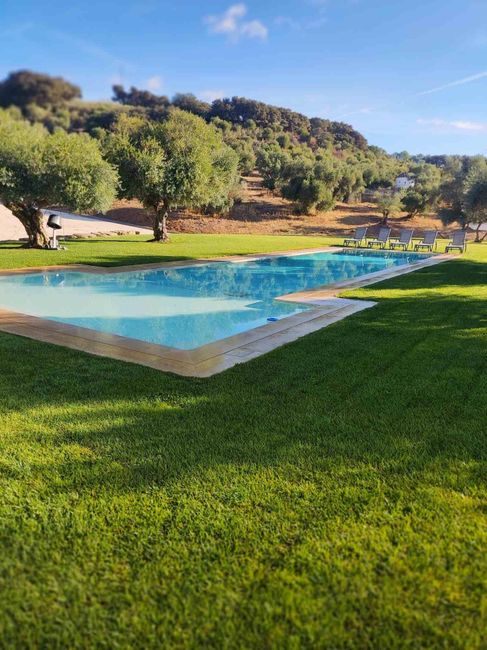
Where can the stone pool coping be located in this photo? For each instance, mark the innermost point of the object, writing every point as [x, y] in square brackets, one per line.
[215, 357]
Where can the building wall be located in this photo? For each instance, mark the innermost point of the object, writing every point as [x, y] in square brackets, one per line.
[403, 183]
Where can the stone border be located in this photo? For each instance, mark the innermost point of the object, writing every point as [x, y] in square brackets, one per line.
[214, 357]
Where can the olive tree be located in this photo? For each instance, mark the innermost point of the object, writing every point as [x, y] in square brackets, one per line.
[475, 201]
[309, 194]
[389, 203]
[306, 188]
[182, 162]
[39, 170]
[425, 193]
[24, 87]
[415, 202]
[271, 161]
[464, 194]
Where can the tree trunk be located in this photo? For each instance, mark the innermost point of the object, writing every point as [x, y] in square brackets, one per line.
[385, 220]
[32, 219]
[161, 234]
[479, 239]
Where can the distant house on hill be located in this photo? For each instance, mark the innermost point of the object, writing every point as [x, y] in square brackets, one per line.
[404, 182]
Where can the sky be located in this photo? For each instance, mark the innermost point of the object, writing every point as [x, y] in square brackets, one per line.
[408, 74]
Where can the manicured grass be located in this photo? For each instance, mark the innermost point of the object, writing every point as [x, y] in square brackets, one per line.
[331, 494]
[114, 251]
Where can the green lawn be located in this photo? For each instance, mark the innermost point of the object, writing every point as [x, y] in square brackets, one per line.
[113, 251]
[331, 494]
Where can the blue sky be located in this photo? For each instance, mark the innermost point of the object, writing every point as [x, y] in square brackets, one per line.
[408, 74]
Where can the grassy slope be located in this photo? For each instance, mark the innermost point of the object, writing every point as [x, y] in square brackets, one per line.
[330, 494]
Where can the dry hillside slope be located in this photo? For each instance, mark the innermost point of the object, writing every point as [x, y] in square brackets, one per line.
[259, 211]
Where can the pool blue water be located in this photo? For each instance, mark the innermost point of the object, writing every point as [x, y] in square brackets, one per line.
[189, 306]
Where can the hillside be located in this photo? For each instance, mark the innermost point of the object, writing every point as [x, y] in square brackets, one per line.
[299, 174]
[260, 211]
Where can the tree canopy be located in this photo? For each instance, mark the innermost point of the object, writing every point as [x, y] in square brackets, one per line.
[426, 191]
[24, 87]
[136, 97]
[182, 162]
[475, 200]
[189, 102]
[312, 161]
[461, 190]
[388, 203]
[39, 170]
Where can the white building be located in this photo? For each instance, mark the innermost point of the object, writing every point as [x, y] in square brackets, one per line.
[404, 182]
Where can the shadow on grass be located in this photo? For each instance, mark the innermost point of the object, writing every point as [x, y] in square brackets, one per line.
[74, 254]
[120, 252]
[131, 260]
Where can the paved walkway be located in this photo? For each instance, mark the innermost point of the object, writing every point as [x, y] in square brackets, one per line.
[11, 229]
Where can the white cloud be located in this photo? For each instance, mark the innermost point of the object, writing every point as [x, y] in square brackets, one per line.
[231, 22]
[255, 29]
[228, 22]
[154, 83]
[211, 95]
[431, 122]
[457, 125]
[469, 126]
[364, 110]
[452, 84]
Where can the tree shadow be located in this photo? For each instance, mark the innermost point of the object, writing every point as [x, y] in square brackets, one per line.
[108, 259]
[137, 217]
[11, 245]
[130, 260]
[360, 220]
[261, 212]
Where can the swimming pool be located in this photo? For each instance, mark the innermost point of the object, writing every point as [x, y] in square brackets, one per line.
[187, 307]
